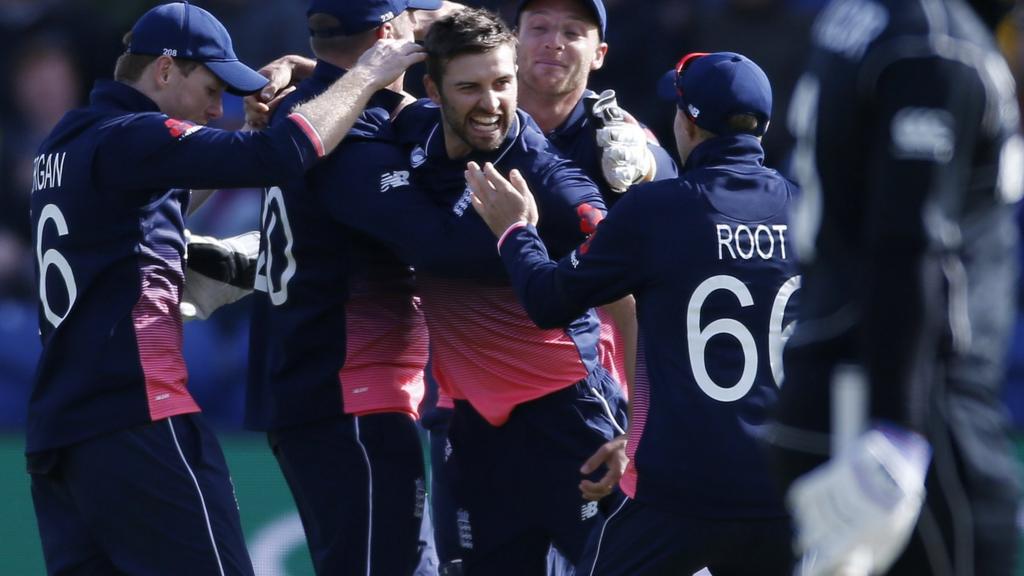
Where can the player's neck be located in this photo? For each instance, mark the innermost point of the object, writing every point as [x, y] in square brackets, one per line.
[549, 111]
[347, 61]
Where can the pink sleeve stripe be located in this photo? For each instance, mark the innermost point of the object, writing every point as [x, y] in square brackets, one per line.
[158, 335]
[310, 132]
[509, 230]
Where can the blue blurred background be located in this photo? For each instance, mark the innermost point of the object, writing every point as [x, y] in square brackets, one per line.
[53, 50]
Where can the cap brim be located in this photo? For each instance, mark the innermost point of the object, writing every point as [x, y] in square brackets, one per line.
[241, 79]
[667, 86]
[425, 4]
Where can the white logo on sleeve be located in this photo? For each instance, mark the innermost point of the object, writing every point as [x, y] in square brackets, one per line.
[694, 111]
[417, 157]
[588, 511]
[923, 134]
[847, 27]
[389, 180]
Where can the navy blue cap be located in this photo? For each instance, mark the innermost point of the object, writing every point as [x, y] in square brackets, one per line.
[181, 30]
[357, 16]
[709, 88]
[596, 7]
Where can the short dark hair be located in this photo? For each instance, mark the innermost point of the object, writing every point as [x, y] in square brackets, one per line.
[738, 124]
[467, 31]
[744, 123]
[129, 66]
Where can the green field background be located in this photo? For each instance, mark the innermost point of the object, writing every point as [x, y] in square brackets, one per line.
[272, 527]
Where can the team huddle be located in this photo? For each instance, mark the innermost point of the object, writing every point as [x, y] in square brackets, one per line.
[626, 366]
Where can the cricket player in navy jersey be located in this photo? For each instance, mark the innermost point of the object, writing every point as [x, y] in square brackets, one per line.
[510, 382]
[516, 388]
[126, 477]
[560, 42]
[710, 261]
[891, 434]
[338, 343]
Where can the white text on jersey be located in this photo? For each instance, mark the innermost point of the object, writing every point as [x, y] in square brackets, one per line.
[48, 171]
[741, 242]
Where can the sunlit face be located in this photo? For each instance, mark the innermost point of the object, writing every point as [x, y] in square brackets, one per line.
[197, 97]
[478, 100]
[559, 45]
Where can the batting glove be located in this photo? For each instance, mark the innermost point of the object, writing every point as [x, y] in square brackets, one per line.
[218, 272]
[855, 513]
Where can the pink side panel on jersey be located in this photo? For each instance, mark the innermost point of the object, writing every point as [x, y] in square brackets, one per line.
[487, 350]
[444, 399]
[613, 350]
[640, 403]
[158, 333]
[387, 352]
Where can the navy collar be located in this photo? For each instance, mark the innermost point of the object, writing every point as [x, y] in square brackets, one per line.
[114, 95]
[575, 121]
[435, 149]
[723, 150]
[325, 74]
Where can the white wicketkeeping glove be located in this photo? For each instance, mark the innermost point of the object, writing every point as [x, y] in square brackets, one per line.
[218, 272]
[625, 158]
[855, 514]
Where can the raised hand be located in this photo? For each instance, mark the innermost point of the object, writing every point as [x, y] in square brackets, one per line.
[499, 201]
[387, 60]
[282, 74]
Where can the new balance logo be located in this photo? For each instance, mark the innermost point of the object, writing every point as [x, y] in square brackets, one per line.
[588, 511]
[463, 204]
[389, 180]
[465, 529]
[421, 498]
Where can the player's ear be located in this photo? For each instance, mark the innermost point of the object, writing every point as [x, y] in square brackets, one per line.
[385, 30]
[599, 54]
[161, 70]
[433, 91]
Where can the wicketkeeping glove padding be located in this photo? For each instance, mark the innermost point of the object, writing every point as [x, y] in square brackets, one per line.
[855, 513]
[218, 272]
[625, 158]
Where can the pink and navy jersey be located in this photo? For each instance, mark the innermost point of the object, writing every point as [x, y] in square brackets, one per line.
[575, 139]
[709, 258]
[108, 232]
[336, 325]
[483, 346]
[612, 349]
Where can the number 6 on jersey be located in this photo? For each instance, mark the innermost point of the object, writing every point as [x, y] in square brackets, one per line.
[697, 339]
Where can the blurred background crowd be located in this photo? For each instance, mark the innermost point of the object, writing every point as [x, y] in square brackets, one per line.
[51, 51]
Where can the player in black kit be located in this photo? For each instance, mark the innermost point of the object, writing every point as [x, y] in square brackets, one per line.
[909, 158]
